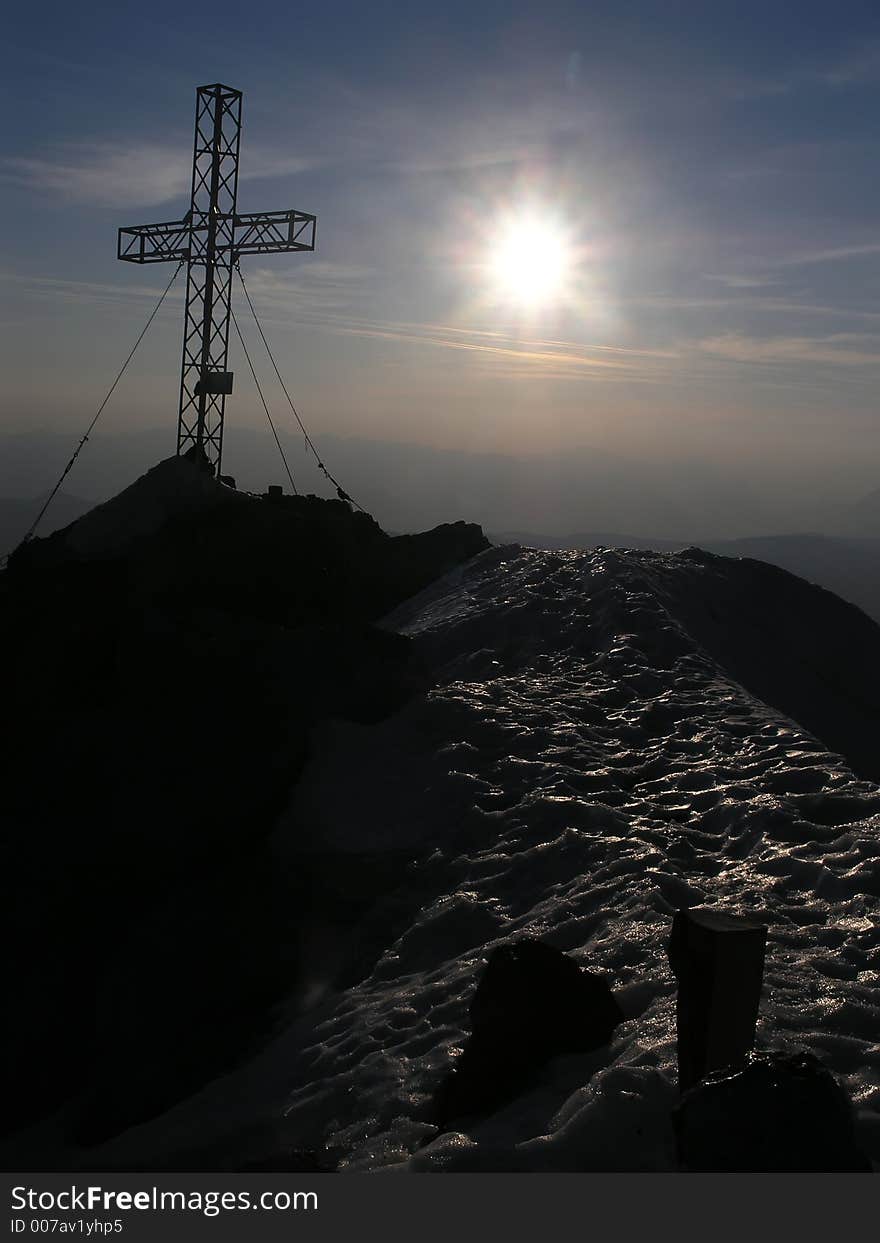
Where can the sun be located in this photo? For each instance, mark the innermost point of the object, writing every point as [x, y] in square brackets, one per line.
[530, 261]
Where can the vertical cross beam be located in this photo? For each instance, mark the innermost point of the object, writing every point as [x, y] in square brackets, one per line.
[210, 240]
[204, 382]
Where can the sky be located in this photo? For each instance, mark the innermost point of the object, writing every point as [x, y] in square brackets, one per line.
[695, 185]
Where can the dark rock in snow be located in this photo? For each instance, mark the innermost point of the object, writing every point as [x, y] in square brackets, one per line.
[718, 959]
[532, 1003]
[781, 1112]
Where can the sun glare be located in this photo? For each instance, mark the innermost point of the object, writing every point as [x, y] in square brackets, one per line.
[529, 261]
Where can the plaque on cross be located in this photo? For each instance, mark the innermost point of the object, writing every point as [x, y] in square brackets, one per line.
[209, 240]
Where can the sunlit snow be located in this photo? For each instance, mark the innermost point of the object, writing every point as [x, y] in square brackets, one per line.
[581, 769]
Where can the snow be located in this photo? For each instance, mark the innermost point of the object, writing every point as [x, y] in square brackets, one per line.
[581, 769]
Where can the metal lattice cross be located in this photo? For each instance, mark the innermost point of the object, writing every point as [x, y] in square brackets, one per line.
[209, 239]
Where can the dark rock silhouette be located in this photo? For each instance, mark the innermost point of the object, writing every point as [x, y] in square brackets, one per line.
[167, 655]
[781, 1112]
[532, 1003]
[177, 487]
[717, 957]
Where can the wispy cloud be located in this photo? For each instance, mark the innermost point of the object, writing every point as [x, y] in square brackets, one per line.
[734, 281]
[105, 175]
[855, 67]
[839, 349]
[144, 175]
[326, 288]
[53, 289]
[329, 296]
[510, 153]
[319, 287]
[620, 351]
[767, 305]
[832, 254]
[537, 359]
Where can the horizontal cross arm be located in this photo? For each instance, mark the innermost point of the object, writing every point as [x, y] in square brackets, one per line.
[267, 232]
[154, 243]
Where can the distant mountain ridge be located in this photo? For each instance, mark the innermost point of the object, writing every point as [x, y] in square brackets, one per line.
[410, 486]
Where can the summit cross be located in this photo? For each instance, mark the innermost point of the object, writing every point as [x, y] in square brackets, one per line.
[209, 240]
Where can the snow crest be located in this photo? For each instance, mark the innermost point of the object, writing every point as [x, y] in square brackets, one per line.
[580, 771]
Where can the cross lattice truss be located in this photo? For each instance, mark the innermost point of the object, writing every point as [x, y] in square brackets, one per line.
[209, 240]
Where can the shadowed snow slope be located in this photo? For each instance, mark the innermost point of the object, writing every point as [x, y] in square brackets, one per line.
[594, 755]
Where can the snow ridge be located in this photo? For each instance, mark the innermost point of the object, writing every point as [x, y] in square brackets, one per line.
[582, 768]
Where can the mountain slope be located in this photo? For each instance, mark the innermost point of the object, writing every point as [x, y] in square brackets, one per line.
[586, 762]
[166, 658]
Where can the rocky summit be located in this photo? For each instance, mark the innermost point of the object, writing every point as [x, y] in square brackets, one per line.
[166, 658]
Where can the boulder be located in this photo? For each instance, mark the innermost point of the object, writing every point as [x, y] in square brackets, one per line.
[780, 1112]
[532, 1003]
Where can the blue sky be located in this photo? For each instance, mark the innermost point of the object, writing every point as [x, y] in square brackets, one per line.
[714, 167]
